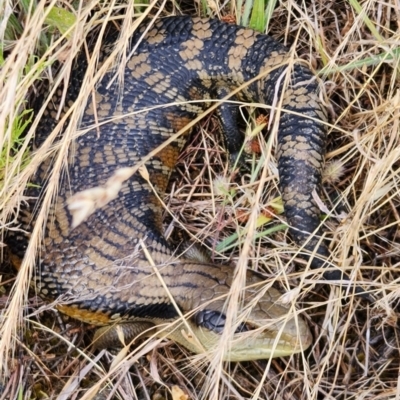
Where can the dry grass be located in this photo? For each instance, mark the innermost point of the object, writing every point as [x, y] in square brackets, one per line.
[356, 348]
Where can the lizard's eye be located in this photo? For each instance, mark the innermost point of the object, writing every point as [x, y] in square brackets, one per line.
[243, 327]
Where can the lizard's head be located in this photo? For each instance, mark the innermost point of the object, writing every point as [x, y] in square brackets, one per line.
[267, 330]
[264, 328]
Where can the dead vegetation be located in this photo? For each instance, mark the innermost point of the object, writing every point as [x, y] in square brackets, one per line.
[355, 47]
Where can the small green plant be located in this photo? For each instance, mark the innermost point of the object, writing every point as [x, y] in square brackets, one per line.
[11, 148]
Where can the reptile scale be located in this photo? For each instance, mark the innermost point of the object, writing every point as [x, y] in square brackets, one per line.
[98, 271]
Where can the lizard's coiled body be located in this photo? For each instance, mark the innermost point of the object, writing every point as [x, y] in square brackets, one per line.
[98, 269]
